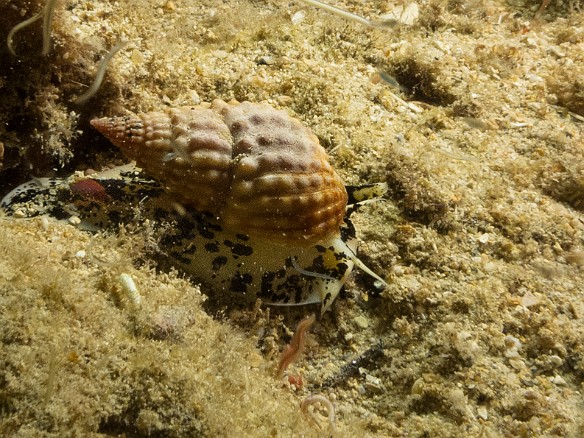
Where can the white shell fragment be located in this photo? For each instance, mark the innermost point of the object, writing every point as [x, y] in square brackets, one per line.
[130, 289]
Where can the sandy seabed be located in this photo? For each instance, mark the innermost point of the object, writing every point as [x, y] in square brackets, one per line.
[472, 112]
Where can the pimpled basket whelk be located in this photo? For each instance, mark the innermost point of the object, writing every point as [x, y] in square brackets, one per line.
[256, 169]
[264, 215]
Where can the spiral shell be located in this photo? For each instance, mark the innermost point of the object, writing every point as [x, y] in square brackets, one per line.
[256, 169]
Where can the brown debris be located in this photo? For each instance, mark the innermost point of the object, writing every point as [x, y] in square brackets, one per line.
[294, 349]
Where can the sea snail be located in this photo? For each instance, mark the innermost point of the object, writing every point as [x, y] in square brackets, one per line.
[263, 213]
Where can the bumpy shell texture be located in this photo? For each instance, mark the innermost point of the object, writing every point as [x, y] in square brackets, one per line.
[256, 169]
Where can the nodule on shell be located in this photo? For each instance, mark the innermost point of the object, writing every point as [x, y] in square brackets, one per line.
[256, 169]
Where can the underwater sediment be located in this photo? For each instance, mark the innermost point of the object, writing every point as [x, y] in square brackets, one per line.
[469, 111]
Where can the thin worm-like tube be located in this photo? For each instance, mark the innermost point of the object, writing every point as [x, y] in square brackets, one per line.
[319, 398]
[19, 26]
[382, 24]
[339, 11]
[90, 92]
[49, 13]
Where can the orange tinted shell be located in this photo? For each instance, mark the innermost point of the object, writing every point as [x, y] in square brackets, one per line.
[259, 171]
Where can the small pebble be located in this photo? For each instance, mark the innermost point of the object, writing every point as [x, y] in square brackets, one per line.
[372, 384]
[361, 322]
[556, 360]
[298, 17]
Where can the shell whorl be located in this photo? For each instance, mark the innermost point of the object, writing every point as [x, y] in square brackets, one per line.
[259, 171]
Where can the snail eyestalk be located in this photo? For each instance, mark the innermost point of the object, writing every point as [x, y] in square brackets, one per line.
[357, 262]
[94, 87]
[310, 273]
